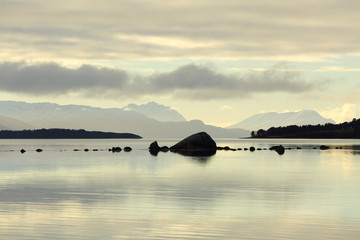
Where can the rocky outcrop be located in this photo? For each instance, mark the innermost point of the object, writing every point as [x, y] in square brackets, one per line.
[199, 144]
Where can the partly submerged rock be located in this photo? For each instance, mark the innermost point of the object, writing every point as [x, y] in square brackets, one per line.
[154, 148]
[324, 147]
[199, 144]
[279, 149]
[127, 149]
[199, 140]
[116, 149]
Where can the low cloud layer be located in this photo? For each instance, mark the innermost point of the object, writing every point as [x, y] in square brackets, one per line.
[186, 82]
[48, 79]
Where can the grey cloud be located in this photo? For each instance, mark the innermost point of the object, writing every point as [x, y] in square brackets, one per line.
[202, 83]
[237, 28]
[51, 78]
[189, 81]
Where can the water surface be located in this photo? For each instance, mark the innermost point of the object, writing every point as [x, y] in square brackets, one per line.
[65, 194]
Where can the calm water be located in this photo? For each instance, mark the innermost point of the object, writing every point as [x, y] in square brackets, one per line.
[66, 194]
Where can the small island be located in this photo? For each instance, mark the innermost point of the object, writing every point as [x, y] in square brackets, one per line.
[57, 133]
[346, 130]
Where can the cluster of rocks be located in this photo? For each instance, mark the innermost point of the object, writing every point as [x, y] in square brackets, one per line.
[37, 150]
[278, 148]
[113, 149]
[118, 149]
[199, 144]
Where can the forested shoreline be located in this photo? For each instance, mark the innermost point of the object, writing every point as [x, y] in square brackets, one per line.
[342, 130]
[57, 133]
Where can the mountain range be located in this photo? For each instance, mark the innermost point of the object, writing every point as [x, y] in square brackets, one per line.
[274, 119]
[129, 119]
[149, 120]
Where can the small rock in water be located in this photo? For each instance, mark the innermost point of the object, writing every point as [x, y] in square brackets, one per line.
[324, 147]
[116, 149]
[39, 150]
[279, 149]
[127, 149]
[22, 150]
[252, 149]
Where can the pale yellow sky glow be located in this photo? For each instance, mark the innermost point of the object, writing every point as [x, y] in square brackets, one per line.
[218, 61]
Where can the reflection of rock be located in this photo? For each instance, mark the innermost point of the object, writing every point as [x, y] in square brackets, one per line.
[199, 144]
[279, 149]
[196, 152]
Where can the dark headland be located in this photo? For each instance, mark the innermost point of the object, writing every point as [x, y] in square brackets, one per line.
[346, 130]
[56, 133]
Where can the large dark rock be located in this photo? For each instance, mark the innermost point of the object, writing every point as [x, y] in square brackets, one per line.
[199, 144]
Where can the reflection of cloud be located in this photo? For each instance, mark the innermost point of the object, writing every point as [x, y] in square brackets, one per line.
[189, 81]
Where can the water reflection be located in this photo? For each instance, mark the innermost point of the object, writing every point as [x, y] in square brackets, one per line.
[303, 194]
[196, 152]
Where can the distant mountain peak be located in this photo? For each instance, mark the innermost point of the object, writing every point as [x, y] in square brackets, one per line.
[156, 111]
[273, 119]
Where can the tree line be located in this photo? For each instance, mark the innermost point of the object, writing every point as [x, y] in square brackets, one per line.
[58, 133]
[329, 130]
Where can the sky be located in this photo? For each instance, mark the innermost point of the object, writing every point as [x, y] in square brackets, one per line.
[218, 61]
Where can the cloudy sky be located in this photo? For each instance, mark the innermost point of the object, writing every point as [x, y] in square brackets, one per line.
[218, 61]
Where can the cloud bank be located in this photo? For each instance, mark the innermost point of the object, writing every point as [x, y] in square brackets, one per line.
[50, 78]
[191, 81]
[132, 29]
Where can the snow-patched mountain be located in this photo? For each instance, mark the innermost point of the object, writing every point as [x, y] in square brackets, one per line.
[51, 115]
[274, 119]
[156, 111]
